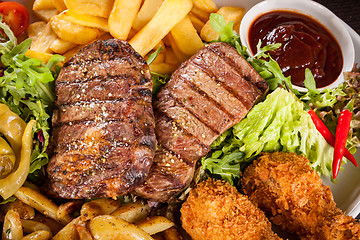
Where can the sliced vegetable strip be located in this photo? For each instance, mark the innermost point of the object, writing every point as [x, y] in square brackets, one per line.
[329, 137]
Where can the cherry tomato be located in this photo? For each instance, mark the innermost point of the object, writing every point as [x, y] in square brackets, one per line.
[16, 16]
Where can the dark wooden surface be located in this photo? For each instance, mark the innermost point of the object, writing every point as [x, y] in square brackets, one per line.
[347, 10]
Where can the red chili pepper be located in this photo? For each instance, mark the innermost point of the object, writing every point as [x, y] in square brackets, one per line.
[329, 137]
[342, 131]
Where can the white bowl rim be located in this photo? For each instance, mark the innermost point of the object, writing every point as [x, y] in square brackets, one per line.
[317, 12]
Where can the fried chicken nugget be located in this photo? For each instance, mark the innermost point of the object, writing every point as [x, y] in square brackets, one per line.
[288, 190]
[216, 210]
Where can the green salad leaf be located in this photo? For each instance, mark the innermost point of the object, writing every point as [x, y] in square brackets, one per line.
[27, 87]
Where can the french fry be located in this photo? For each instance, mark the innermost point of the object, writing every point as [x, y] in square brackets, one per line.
[234, 14]
[205, 5]
[181, 57]
[59, 5]
[69, 232]
[84, 234]
[155, 224]
[40, 203]
[97, 207]
[198, 24]
[172, 234]
[92, 7]
[202, 15]
[170, 57]
[34, 30]
[146, 12]
[169, 14]
[44, 57]
[38, 235]
[30, 226]
[43, 4]
[132, 212]
[86, 20]
[69, 54]
[46, 14]
[12, 229]
[109, 227]
[186, 37]
[44, 41]
[73, 32]
[163, 68]
[61, 46]
[122, 17]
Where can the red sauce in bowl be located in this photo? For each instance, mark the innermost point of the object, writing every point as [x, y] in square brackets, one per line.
[305, 44]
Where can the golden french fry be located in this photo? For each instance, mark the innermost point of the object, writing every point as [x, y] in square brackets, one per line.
[43, 4]
[44, 41]
[93, 7]
[146, 12]
[97, 207]
[34, 30]
[163, 68]
[38, 235]
[69, 54]
[69, 232]
[30, 226]
[59, 5]
[73, 32]
[155, 224]
[170, 57]
[84, 234]
[186, 37]
[234, 14]
[181, 57]
[172, 234]
[61, 46]
[40, 203]
[169, 14]
[86, 20]
[44, 57]
[46, 14]
[122, 17]
[132, 212]
[205, 5]
[106, 227]
[12, 229]
[202, 15]
[198, 24]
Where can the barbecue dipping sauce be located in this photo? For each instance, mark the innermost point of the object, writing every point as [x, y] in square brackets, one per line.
[305, 44]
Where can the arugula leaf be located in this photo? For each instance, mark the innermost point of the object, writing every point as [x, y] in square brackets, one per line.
[154, 55]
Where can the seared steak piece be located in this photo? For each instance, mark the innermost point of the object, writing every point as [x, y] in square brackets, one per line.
[103, 123]
[208, 94]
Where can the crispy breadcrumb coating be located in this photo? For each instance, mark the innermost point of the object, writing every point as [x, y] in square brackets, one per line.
[292, 194]
[216, 210]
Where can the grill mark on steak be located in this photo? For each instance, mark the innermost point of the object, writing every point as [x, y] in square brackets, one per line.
[103, 133]
[213, 66]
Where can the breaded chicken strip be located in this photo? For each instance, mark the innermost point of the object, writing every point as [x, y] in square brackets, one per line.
[216, 210]
[291, 192]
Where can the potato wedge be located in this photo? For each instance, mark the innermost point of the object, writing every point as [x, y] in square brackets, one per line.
[66, 210]
[38, 235]
[25, 211]
[73, 32]
[205, 5]
[44, 41]
[83, 232]
[69, 54]
[146, 12]
[86, 20]
[172, 234]
[30, 226]
[169, 14]
[34, 30]
[102, 206]
[46, 14]
[12, 229]
[109, 227]
[186, 37]
[69, 232]
[234, 14]
[122, 17]
[93, 7]
[155, 224]
[59, 5]
[61, 46]
[43, 4]
[132, 212]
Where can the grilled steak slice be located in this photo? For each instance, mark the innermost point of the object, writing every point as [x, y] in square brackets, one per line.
[208, 94]
[103, 124]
